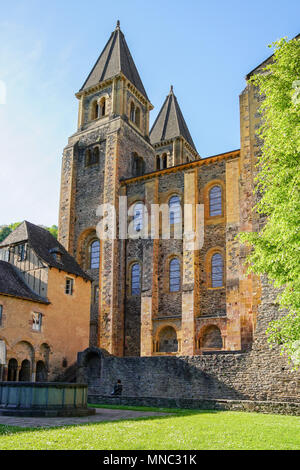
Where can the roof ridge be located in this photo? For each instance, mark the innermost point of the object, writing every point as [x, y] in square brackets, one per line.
[166, 118]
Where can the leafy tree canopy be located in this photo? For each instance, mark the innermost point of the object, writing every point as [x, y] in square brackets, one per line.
[276, 248]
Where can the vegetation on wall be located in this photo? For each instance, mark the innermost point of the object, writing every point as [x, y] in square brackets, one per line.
[276, 248]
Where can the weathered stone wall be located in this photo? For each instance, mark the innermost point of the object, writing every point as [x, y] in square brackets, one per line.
[261, 374]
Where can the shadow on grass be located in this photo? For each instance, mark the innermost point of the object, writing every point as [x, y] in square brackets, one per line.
[173, 413]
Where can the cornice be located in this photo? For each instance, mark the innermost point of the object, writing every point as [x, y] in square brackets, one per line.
[184, 166]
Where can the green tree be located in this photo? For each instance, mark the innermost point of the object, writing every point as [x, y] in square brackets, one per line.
[276, 248]
[53, 230]
[7, 229]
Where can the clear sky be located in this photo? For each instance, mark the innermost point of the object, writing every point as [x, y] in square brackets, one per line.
[47, 48]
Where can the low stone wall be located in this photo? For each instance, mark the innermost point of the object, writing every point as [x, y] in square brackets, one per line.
[271, 407]
[260, 374]
[231, 376]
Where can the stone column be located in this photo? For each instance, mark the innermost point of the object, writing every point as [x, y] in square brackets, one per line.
[249, 284]
[189, 274]
[111, 329]
[5, 373]
[81, 111]
[149, 301]
[232, 255]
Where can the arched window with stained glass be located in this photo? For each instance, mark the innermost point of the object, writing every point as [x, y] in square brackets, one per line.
[138, 215]
[217, 270]
[95, 254]
[174, 269]
[135, 279]
[215, 201]
[174, 210]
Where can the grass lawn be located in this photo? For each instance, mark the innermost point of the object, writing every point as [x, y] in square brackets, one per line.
[186, 430]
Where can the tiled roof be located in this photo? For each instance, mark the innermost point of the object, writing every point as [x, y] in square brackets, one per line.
[115, 58]
[11, 283]
[44, 245]
[170, 122]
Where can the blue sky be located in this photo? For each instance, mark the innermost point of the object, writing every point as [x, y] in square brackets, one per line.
[203, 48]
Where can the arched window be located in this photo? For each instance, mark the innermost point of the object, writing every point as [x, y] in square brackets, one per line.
[102, 107]
[24, 374]
[41, 372]
[95, 110]
[211, 338]
[12, 370]
[94, 254]
[95, 157]
[132, 112]
[87, 157]
[135, 279]
[215, 201]
[174, 210]
[137, 116]
[174, 275]
[138, 165]
[164, 161]
[158, 163]
[217, 270]
[138, 216]
[168, 341]
[92, 156]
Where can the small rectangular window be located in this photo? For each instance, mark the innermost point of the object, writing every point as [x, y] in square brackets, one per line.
[4, 254]
[1, 314]
[69, 286]
[21, 252]
[36, 321]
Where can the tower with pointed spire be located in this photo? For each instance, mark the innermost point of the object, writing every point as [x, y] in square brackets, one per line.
[111, 143]
[170, 136]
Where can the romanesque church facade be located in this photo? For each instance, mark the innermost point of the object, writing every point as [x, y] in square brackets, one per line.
[154, 296]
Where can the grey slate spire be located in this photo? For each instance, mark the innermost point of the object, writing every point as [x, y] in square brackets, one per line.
[115, 58]
[170, 122]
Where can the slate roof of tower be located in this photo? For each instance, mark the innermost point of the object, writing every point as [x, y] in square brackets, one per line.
[11, 283]
[44, 244]
[170, 122]
[115, 58]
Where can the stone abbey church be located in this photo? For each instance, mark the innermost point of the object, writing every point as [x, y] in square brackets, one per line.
[167, 320]
[154, 296]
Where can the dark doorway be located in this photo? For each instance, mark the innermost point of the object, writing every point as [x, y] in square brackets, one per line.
[24, 375]
[41, 372]
[93, 369]
[12, 370]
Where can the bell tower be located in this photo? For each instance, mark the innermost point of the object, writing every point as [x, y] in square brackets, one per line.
[113, 132]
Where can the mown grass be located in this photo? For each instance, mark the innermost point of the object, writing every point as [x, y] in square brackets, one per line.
[185, 429]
